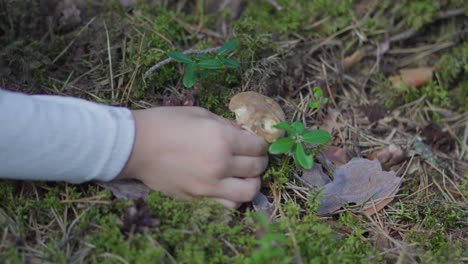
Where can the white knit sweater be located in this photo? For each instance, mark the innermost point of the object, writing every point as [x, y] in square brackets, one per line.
[54, 138]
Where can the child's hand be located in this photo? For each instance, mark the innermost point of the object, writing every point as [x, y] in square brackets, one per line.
[190, 152]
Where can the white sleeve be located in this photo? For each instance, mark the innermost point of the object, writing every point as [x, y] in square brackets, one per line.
[54, 138]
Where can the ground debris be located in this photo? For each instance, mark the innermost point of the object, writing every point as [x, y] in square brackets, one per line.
[261, 203]
[414, 77]
[137, 218]
[390, 157]
[126, 189]
[437, 138]
[361, 182]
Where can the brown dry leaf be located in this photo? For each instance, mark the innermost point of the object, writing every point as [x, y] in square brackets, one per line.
[389, 157]
[437, 138]
[329, 122]
[361, 182]
[68, 14]
[414, 77]
[337, 155]
[374, 112]
[261, 203]
[126, 189]
[353, 59]
[138, 217]
[315, 177]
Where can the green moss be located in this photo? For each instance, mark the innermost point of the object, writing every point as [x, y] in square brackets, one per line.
[10, 255]
[109, 239]
[419, 12]
[279, 173]
[148, 46]
[296, 15]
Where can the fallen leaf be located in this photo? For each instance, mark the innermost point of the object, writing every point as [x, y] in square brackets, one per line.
[137, 218]
[437, 138]
[413, 77]
[171, 101]
[329, 122]
[389, 157]
[261, 203]
[189, 100]
[353, 59]
[361, 182]
[315, 177]
[68, 14]
[126, 189]
[336, 154]
[374, 112]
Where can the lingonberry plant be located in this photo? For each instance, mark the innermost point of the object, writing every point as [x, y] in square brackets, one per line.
[319, 99]
[203, 65]
[297, 136]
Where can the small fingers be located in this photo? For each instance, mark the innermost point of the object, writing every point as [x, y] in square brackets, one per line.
[227, 203]
[238, 189]
[247, 167]
[248, 144]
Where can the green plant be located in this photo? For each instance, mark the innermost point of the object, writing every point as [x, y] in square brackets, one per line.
[203, 65]
[319, 100]
[294, 142]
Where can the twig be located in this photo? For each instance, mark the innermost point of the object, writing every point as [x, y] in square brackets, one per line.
[411, 32]
[275, 4]
[168, 60]
[109, 54]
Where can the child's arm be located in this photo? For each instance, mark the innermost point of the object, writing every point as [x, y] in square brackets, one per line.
[55, 138]
[182, 151]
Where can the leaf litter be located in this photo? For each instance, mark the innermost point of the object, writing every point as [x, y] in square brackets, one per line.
[361, 182]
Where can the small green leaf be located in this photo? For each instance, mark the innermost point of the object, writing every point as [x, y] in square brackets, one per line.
[179, 57]
[228, 47]
[298, 127]
[201, 57]
[190, 76]
[230, 63]
[211, 64]
[281, 145]
[314, 105]
[324, 100]
[284, 126]
[301, 158]
[318, 92]
[316, 137]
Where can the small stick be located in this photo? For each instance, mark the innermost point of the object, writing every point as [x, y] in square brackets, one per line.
[168, 60]
[275, 4]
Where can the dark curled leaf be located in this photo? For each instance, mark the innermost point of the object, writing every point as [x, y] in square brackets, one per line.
[361, 182]
[261, 203]
[315, 177]
[126, 189]
[179, 57]
[137, 218]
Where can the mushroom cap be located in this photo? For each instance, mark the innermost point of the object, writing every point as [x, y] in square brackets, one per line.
[258, 113]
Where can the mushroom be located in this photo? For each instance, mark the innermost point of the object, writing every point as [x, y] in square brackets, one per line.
[258, 114]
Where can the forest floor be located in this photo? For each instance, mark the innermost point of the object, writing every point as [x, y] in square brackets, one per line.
[396, 77]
